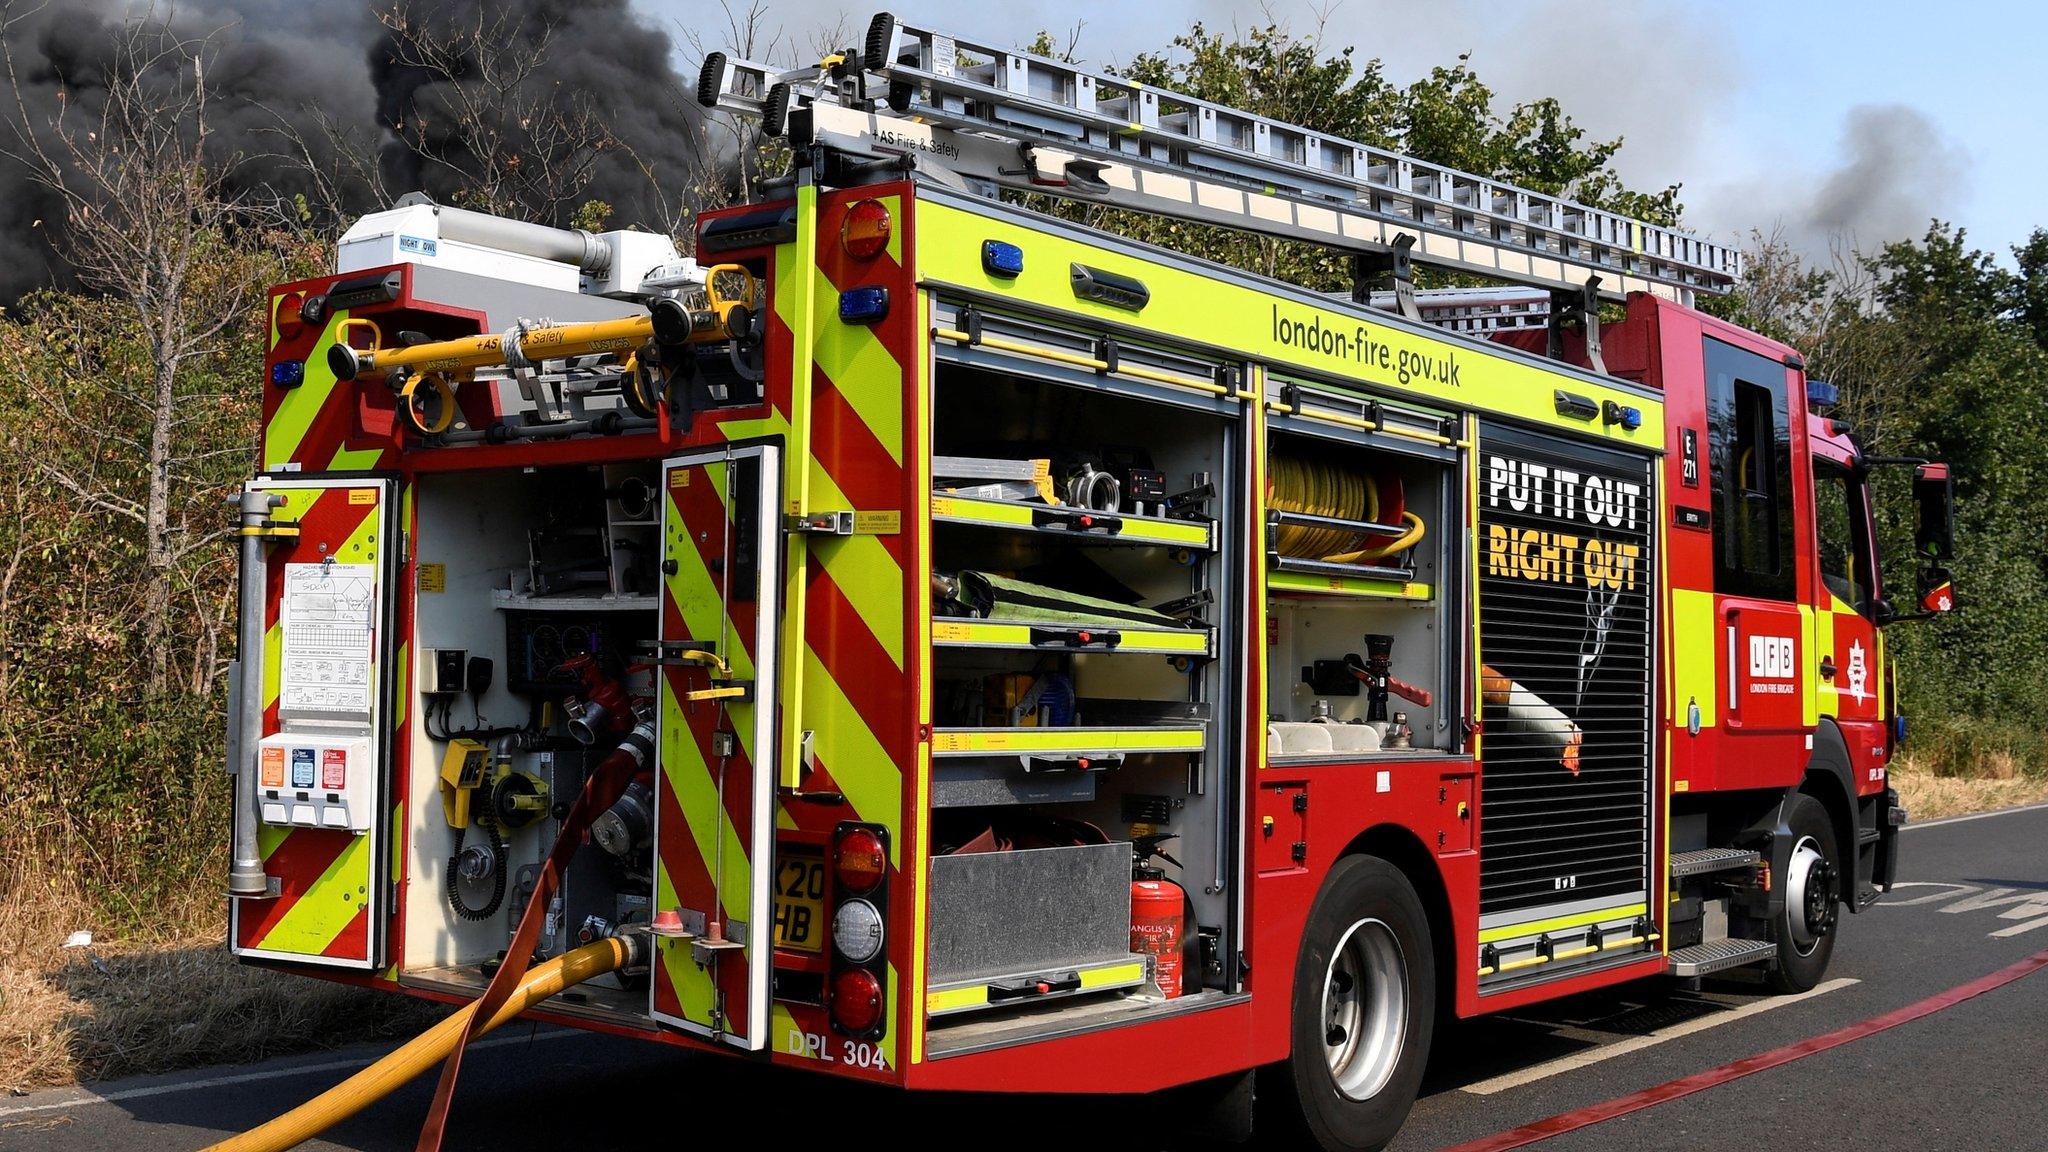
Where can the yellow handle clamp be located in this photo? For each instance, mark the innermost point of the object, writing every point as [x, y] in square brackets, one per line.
[715, 322]
[723, 692]
[352, 323]
[428, 403]
[705, 657]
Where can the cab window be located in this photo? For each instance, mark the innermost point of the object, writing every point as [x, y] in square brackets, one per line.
[1749, 449]
[1842, 530]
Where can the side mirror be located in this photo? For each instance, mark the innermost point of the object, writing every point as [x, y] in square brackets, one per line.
[1935, 492]
[1937, 591]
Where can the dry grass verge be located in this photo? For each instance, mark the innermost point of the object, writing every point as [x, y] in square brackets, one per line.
[1999, 783]
[160, 1000]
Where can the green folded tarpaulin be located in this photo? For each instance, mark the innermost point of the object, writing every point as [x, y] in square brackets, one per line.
[995, 597]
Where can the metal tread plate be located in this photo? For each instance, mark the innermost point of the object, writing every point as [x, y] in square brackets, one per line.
[1705, 860]
[1719, 955]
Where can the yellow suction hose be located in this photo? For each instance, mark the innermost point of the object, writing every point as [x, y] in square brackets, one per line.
[1319, 489]
[427, 1049]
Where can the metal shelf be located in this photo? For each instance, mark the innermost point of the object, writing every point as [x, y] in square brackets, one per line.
[1035, 987]
[1081, 525]
[1045, 637]
[1289, 583]
[1109, 744]
[575, 601]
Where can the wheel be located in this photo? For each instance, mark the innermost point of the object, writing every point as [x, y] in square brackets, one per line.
[1813, 892]
[1363, 1013]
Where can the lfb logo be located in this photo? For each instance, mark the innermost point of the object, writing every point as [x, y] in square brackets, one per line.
[1773, 657]
[1859, 671]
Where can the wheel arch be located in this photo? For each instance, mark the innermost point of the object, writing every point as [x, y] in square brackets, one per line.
[1401, 847]
[1829, 780]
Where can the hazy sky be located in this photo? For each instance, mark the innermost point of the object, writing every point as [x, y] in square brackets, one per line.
[1815, 118]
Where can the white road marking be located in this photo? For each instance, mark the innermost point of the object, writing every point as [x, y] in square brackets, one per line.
[2016, 929]
[1975, 816]
[1579, 1060]
[2030, 907]
[1949, 892]
[88, 1097]
[2025, 904]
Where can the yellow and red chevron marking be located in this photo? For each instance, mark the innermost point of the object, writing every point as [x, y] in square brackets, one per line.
[315, 425]
[703, 862]
[863, 592]
[854, 657]
[324, 876]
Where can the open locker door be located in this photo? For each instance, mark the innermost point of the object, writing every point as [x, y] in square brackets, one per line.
[317, 779]
[714, 816]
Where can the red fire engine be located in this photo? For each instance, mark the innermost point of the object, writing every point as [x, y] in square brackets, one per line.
[923, 639]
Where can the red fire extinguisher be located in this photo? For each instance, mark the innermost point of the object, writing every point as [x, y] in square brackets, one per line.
[1156, 913]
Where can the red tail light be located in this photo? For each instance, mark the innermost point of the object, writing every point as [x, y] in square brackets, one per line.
[856, 1001]
[865, 233]
[860, 860]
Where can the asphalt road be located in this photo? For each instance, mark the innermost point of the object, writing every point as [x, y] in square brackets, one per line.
[1967, 1077]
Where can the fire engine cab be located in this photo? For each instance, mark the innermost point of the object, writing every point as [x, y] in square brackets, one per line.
[961, 649]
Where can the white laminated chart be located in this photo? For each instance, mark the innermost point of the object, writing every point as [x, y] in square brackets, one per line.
[329, 620]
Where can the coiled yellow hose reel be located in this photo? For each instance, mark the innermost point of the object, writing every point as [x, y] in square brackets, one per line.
[1314, 488]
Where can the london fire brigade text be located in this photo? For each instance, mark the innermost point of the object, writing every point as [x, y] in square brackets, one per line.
[1363, 346]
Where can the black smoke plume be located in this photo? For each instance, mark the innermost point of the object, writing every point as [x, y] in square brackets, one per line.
[299, 89]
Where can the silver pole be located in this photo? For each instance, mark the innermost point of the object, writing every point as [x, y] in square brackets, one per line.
[245, 872]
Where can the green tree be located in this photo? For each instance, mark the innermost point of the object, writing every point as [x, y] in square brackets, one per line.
[2030, 285]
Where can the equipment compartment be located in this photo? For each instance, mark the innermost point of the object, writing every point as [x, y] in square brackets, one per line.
[1083, 624]
[1361, 543]
[1021, 926]
[532, 637]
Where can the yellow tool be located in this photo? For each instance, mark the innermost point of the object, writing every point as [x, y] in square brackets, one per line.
[667, 322]
[518, 798]
[462, 769]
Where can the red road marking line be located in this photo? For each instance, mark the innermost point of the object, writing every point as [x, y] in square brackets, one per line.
[1714, 1077]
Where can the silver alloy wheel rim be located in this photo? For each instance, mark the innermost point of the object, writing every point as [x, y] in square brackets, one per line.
[1798, 874]
[1365, 1009]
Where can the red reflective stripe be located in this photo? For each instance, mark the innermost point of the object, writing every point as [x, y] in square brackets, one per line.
[1714, 1077]
[353, 942]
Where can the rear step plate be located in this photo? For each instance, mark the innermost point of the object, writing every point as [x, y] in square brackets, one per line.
[1711, 860]
[1719, 955]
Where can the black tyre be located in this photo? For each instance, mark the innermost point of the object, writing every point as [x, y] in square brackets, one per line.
[1812, 885]
[1363, 1014]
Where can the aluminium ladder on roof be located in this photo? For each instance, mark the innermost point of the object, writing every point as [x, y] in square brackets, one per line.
[989, 115]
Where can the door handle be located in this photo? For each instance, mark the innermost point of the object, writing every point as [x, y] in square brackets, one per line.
[1827, 668]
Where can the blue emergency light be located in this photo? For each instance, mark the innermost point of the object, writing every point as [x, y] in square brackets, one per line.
[288, 373]
[1821, 394]
[1001, 259]
[1628, 416]
[864, 305]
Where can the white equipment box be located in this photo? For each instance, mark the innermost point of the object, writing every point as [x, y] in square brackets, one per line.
[305, 780]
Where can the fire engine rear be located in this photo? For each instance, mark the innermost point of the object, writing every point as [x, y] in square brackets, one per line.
[921, 638]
